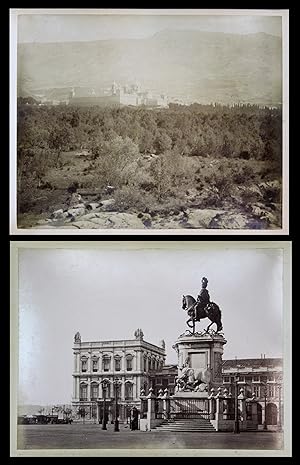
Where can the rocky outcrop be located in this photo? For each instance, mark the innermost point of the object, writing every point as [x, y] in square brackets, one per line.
[97, 215]
[109, 220]
[103, 220]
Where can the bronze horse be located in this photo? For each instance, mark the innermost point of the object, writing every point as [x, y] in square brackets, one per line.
[211, 311]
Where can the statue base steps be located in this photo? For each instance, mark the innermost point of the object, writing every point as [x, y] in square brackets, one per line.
[190, 395]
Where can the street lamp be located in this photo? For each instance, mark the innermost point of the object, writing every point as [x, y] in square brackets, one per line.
[236, 416]
[116, 384]
[104, 386]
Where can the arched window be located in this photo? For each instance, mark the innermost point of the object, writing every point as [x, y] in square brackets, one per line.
[106, 363]
[128, 391]
[117, 363]
[83, 392]
[84, 364]
[95, 364]
[129, 359]
[94, 391]
[271, 414]
[106, 390]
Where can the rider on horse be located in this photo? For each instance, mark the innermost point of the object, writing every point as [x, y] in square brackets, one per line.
[203, 298]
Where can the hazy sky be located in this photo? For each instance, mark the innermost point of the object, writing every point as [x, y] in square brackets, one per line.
[106, 295]
[56, 28]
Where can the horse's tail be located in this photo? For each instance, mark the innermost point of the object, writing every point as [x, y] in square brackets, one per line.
[217, 316]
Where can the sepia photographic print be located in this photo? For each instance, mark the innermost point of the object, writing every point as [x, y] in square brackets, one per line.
[143, 348]
[149, 121]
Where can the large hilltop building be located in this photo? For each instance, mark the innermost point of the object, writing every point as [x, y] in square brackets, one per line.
[116, 95]
[120, 96]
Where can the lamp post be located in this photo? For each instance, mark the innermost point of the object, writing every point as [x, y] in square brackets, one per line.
[116, 383]
[104, 386]
[236, 416]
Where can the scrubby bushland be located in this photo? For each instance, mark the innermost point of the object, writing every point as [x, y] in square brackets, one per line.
[197, 154]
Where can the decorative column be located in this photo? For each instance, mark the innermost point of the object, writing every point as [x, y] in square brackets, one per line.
[166, 404]
[212, 404]
[77, 362]
[97, 412]
[242, 407]
[77, 387]
[151, 408]
[89, 390]
[74, 387]
[225, 405]
[123, 388]
[219, 407]
[143, 406]
[160, 403]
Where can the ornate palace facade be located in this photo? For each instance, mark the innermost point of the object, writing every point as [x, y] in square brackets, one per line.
[261, 377]
[102, 367]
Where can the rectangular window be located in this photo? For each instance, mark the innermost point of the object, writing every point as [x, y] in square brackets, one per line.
[256, 391]
[83, 392]
[94, 392]
[106, 391]
[129, 364]
[106, 364]
[145, 364]
[242, 379]
[128, 391]
[83, 366]
[271, 378]
[117, 364]
[255, 378]
[271, 391]
[95, 365]
[226, 379]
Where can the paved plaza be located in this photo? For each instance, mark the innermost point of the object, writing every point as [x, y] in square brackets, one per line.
[91, 436]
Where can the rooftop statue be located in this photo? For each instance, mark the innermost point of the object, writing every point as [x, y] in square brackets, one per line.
[202, 308]
[77, 337]
[138, 333]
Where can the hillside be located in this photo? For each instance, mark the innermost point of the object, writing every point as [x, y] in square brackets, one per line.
[201, 66]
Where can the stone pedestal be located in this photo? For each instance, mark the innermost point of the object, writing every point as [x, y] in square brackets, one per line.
[202, 352]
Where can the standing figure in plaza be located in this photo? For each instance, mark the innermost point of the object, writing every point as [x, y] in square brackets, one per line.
[202, 308]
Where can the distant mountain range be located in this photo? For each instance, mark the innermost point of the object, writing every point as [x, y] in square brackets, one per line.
[199, 66]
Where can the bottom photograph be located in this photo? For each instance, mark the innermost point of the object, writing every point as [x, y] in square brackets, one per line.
[140, 348]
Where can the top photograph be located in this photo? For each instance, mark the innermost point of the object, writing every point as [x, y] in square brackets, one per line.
[149, 121]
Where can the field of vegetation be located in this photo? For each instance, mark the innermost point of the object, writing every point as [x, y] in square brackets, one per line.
[163, 165]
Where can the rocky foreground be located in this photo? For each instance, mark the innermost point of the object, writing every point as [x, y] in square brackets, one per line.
[101, 215]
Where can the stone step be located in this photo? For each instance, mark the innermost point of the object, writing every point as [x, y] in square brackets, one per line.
[186, 425]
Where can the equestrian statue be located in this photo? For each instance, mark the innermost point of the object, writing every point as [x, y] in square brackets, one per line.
[202, 308]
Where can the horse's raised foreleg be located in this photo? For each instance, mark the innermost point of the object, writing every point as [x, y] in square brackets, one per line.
[188, 323]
